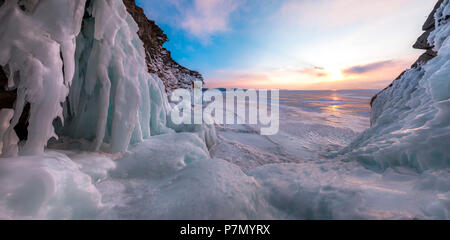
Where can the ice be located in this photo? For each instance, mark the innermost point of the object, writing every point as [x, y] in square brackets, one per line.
[111, 83]
[154, 159]
[304, 192]
[206, 132]
[5, 117]
[97, 71]
[96, 165]
[46, 187]
[156, 180]
[204, 189]
[31, 40]
[337, 190]
[306, 133]
[411, 119]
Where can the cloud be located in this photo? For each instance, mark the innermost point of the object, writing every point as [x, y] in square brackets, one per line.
[208, 17]
[361, 69]
[318, 72]
[375, 75]
[332, 13]
[200, 18]
[238, 79]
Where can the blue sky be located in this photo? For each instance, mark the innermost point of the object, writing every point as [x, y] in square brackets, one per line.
[292, 44]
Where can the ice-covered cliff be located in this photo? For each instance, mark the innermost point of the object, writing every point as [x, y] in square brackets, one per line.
[411, 119]
[29, 13]
[85, 65]
[422, 43]
[80, 66]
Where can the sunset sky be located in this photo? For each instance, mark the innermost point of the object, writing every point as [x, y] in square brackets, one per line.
[292, 44]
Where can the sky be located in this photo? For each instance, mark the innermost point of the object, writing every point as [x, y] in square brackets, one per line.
[292, 44]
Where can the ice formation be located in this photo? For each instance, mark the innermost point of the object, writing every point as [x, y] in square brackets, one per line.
[111, 82]
[5, 118]
[46, 187]
[88, 57]
[33, 39]
[411, 119]
[81, 66]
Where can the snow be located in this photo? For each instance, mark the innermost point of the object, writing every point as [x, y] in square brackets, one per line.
[118, 156]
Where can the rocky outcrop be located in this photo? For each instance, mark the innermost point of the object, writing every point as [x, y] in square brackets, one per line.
[159, 60]
[422, 43]
[424, 58]
[429, 23]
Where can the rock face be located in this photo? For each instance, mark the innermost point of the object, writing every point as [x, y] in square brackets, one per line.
[158, 58]
[422, 43]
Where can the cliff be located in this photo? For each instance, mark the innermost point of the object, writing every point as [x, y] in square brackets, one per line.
[158, 59]
[421, 43]
[410, 120]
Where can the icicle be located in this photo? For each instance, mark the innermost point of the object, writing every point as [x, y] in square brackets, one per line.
[113, 99]
[101, 68]
[33, 37]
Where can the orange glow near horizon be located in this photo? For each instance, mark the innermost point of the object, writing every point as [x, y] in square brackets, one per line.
[335, 75]
[368, 76]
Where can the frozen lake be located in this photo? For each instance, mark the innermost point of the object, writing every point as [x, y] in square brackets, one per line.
[312, 125]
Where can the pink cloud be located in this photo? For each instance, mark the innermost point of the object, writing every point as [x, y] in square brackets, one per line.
[373, 75]
[207, 17]
[317, 72]
[199, 18]
[238, 80]
[366, 68]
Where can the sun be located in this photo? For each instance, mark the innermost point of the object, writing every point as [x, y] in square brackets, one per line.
[335, 74]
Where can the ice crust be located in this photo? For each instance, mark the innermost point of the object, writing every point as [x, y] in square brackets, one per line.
[397, 169]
